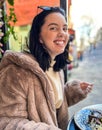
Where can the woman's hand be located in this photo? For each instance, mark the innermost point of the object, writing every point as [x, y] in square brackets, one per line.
[86, 87]
[77, 90]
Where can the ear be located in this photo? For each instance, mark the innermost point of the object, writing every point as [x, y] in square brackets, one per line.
[41, 41]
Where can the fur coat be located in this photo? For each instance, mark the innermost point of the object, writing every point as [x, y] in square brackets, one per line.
[27, 97]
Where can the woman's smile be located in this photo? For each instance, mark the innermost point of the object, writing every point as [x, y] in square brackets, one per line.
[60, 42]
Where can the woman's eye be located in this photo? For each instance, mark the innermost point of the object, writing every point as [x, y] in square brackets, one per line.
[53, 28]
[65, 29]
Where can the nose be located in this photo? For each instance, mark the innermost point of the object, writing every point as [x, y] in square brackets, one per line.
[61, 33]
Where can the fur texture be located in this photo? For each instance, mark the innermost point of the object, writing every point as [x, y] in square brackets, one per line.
[27, 97]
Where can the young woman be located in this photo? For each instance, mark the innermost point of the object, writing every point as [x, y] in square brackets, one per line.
[33, 95]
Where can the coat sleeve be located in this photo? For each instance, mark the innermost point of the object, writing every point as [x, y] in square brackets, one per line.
[73, 92]
[14, 113]
[23, 124]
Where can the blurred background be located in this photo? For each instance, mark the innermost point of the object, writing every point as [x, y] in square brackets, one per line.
[86, 48]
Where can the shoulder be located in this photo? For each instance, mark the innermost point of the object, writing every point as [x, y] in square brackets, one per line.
[22, 60]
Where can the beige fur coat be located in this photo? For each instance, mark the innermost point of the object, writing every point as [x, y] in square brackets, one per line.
[27, 97]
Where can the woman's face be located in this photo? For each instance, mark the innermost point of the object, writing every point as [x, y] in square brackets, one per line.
[54, 34]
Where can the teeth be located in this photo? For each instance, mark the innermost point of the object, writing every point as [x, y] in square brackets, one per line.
[59, 42]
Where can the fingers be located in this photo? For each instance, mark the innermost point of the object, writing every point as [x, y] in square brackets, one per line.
[85, 85]
[88, 89]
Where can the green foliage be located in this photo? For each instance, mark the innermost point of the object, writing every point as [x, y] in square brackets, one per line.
[11, 2]
[8, 19]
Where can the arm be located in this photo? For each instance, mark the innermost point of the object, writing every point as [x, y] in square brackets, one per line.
[76, 91]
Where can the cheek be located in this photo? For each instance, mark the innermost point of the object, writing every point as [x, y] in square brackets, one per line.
[47, 37]
[43, 36]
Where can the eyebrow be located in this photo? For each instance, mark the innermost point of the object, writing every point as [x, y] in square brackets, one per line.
[56, 24]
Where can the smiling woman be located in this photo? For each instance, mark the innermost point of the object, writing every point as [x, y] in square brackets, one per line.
[55, 35]
[35, 95]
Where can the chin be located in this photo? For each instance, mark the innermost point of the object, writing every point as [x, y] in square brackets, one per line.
[60, 52]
